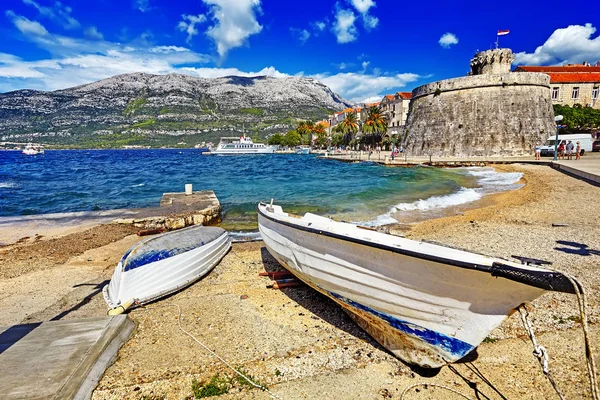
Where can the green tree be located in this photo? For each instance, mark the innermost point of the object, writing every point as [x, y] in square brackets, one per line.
[276, 139]
[375, 125]
[305, 128]
[578, 118]
[292, 139]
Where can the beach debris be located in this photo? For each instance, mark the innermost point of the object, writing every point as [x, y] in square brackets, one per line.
[281, 279]
[559, 224]
[146, 232]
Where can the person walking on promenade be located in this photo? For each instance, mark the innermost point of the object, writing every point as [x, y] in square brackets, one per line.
[578, 151]
[569, 149]
[561, 150]
[538, 151]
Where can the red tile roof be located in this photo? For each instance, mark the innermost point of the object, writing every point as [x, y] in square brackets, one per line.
[576, 77]
[405, 95]
[563, 69]
[348, 110]
[389, 96]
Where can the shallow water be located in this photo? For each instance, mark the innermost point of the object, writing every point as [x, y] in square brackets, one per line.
[82, 180]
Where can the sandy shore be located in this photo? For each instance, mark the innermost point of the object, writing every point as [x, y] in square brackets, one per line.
[299, 343]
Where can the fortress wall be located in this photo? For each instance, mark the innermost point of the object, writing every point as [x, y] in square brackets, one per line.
[480, 115]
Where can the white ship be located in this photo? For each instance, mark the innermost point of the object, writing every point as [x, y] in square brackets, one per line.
[242, 145]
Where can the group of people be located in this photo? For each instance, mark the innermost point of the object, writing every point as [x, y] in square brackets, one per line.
[566, 150]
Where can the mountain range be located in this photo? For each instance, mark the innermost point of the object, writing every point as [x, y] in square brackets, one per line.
[163, 110]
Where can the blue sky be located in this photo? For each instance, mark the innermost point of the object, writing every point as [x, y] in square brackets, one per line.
[362, 49]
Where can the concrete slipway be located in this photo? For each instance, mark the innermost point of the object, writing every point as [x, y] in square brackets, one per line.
[59, 359]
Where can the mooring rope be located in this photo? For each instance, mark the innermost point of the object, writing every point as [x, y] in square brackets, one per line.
[434, 385]
[538, 351]
[179, 318]
[541, 353]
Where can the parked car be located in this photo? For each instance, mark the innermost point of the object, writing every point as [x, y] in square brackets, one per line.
[596, 145]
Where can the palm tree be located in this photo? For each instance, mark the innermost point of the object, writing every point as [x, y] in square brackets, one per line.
[305, 128]
[376, 124]
[348, 127]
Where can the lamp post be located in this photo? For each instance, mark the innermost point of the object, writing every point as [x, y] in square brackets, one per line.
[557, 119]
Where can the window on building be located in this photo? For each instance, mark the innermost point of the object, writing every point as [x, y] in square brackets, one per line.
[575, 94]
[595, 92]
[554, 93]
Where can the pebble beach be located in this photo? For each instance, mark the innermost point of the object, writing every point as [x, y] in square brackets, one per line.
[300, 344]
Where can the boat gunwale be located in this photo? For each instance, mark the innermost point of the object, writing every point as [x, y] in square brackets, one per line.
[540, 278]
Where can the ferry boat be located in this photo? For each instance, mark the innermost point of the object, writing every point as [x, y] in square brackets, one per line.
[241, 145]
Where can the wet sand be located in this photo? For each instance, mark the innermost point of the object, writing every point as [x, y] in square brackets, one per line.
[299, 343]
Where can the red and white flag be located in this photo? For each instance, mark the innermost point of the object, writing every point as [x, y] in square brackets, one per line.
[503, 32]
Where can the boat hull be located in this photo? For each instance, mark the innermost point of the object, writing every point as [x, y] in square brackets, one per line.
[243, 151]
[425, 312]
[161, 265]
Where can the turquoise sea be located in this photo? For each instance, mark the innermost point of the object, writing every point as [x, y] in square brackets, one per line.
[84, 180]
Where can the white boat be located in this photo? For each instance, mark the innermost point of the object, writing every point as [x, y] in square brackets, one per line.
[163, 264]
[302, 150]
[241, 145]
[33, 149]
[428, 304]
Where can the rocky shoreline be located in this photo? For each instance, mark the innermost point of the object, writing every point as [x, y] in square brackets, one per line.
[299, 343]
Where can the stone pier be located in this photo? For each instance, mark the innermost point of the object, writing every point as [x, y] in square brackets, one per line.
[178, 210]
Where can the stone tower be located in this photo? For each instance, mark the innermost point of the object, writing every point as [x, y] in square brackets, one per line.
[496, 61]
[491, 112]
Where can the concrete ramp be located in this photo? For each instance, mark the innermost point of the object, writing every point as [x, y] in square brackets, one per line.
[59, 359]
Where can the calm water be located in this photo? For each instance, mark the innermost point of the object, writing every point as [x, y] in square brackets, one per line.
[83, 180]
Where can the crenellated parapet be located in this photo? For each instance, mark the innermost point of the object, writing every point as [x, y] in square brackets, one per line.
[496, 61]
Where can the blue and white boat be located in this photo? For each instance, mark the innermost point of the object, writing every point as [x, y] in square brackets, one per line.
[163, 264]
[302, 150]
[428, 304]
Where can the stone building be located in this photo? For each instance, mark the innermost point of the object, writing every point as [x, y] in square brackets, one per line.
[572, 84]
[396, 107]
[491, 112]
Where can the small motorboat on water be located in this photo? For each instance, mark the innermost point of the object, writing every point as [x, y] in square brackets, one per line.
[428, 304]
[302, 150]
[33, 149]
[163, 264]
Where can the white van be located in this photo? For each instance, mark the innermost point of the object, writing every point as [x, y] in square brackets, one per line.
[584, 139]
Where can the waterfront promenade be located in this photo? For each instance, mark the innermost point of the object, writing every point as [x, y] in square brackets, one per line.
[588, 167]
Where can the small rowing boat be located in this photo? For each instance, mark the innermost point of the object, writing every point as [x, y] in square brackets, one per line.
[163, 264]
[428, 304]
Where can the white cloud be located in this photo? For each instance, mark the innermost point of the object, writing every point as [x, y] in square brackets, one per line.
[370, 22]
[448, 39]
[301, 34]
[235, 21]
[365, 64]
[319, 25]
[92, 33]
[190, 26]
[221, 72]
[26, 26]
[77, 61]
[358, 86]
[142, 5]
[362, 6]
[572, 44]
[343, 27]
[58, 13]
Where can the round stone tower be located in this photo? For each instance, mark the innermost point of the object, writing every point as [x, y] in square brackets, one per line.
[491, 112]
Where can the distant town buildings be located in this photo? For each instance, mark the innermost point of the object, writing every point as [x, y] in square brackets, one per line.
[395, 106]
[572, 84]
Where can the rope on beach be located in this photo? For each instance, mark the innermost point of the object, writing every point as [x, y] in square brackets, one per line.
[589, 351]
[179, 318]
[540, 351]
[434, 385]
